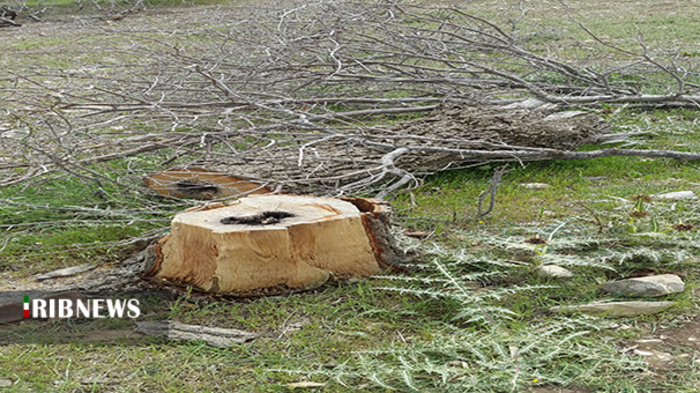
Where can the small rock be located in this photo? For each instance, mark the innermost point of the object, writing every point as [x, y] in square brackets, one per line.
[4, 382]
[305, 385]
[554, 271]
[650, 286]
[650, 341]
[535, 186]
[676, 196]
[616, 309]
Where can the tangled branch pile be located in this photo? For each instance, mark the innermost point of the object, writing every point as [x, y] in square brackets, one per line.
[313, 98]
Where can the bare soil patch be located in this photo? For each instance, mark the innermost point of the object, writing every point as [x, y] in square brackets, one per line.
[669, 348]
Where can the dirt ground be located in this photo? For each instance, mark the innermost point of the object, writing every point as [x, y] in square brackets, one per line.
[667, 348]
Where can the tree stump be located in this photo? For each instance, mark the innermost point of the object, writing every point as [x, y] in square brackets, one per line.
[274, 243]
[201, 184]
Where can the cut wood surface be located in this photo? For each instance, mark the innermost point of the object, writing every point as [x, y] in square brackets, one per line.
[201, 184]
[270, 241]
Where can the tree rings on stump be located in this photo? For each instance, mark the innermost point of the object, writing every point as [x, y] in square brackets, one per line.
[273, 241]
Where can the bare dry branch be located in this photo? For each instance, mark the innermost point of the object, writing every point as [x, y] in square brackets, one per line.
[317, 97]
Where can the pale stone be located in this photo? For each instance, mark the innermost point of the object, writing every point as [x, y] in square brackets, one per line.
[617, 309]
[650, 286]
[554, 271]
[676, 196]
[535, 186]
[305, 385]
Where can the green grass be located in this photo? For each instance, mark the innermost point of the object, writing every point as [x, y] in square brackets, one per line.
[342, 333]
[454, 194]
[72, 221]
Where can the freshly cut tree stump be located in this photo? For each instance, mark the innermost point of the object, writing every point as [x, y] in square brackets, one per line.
[199, 183]
[273, 241]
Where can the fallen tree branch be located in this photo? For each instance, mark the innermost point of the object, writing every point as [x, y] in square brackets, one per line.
[176, 331]
[318, 98]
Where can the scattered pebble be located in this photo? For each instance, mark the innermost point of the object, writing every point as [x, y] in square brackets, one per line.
[676, 196]
[535, 186]
[616, 309]
[554, 271]
[651, 340]
[649, 286]
[305, 385]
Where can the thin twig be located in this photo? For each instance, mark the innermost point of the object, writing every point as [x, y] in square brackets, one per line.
[491, 190]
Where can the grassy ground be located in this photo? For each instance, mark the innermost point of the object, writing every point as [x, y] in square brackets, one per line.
[392, 333]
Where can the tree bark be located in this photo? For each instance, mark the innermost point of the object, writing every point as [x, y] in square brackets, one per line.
[264, 245]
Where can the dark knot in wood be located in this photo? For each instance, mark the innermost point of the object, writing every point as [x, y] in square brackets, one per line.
[264, 218]
[191, 188]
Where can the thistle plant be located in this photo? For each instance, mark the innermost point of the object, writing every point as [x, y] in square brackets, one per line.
[487, 346]
[561, 352]
[480, 352]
